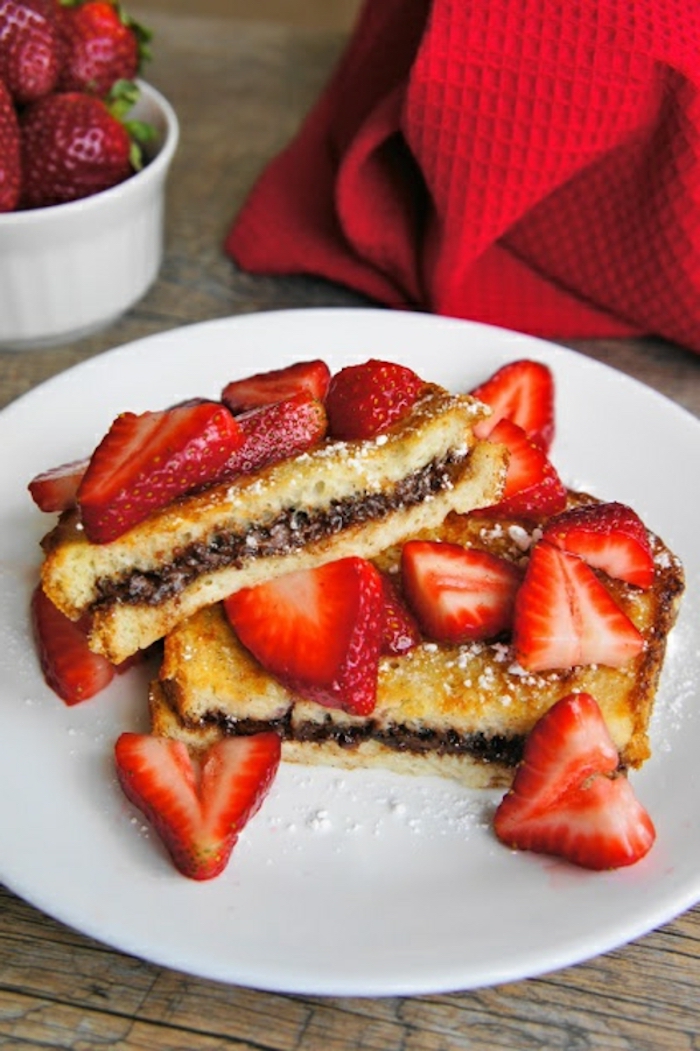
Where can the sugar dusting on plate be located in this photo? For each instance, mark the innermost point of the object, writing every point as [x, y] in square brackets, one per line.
[360, 804]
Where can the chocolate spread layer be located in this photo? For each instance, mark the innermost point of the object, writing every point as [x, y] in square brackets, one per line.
[496, 748]
[292, 529]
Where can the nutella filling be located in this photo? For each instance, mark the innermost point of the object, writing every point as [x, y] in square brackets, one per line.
[292, 529]
[496, 748]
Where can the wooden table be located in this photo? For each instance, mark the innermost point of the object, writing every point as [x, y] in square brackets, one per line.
[240, 89]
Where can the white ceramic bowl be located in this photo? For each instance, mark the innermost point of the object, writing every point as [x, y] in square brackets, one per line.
[71, 269]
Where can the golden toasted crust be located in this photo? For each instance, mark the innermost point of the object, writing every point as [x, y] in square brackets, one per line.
[473, 701]
[199, 549]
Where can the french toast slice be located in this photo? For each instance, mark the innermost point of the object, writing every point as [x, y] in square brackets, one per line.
[338, 498]
[458, 711]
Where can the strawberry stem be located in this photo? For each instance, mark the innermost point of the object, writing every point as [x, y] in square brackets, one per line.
[122, 98]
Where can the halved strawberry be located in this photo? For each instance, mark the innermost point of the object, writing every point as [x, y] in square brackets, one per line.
[609, 536]
[400, 631]
[56, 489]
[564, 616]
[69, 667]
[144, 462]
[568, 797]
[533, 488]
[521, 391]
[318, 631]
[264, 388]
[458, 593]
[272, 432]
[198, 811]
[364, 400]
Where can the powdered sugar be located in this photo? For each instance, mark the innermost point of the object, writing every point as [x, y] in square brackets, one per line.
[361, 804]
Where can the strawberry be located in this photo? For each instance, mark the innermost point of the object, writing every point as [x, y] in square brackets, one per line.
[30, 51]
[568, 797]
[146, 461]
[523, 392]
[609, 536]
[102, 44]
[318, 631]
[400, 632]
[198, 811]
[564, 616]
[533, 488]
[56, 489]
[10, 163]
[70, 668]
[458, 593]
[71, 148]
[74, 145]
[272, 432]
[365, 400]
[264, 388]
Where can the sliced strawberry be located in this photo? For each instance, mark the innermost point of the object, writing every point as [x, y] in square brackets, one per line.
[69, 667]
[400, 631]
[144, 462]
[457, 593]
[318, 631]
[56, 489]
[533, 488]
[364, 400]
[264, 388]
[609, 536]
[568, 797]
[198, 811]
[564, 616]
[522, 391]
[275, 431]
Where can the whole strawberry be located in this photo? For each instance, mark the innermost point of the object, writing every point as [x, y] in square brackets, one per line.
[72, 147]
[364, 400]
[9, 153]
[29, 48]
[102, 44]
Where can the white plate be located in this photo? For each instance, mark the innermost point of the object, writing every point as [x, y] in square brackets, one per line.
[344, 884]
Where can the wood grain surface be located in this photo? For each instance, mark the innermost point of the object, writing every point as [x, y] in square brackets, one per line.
[240, 88]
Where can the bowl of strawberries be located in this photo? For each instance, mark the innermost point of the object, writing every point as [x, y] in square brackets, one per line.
[85, 149]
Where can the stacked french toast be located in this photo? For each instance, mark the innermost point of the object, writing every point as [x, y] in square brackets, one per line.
[361, 569]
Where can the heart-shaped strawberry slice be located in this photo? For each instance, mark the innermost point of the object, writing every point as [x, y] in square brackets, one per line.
[569, 797]
[197, 806]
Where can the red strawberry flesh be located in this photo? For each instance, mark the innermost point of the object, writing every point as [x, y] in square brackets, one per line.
[365, 400]
[568, 797]
[564, 616]
[400, 631]
[265, 388]
[609, 536]
[146, 461]
[273, 432]
[318, 631]
[10, 161]
[533, 488]
[72, 147]
[521, 391]
[30, 52]
[67, 663]
[101, 45]
[197, 810]
[56, 489]
[458, 594]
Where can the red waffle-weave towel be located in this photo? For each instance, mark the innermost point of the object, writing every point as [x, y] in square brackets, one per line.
[529, 163]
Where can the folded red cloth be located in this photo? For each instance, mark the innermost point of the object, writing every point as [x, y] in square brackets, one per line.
[529, 163]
